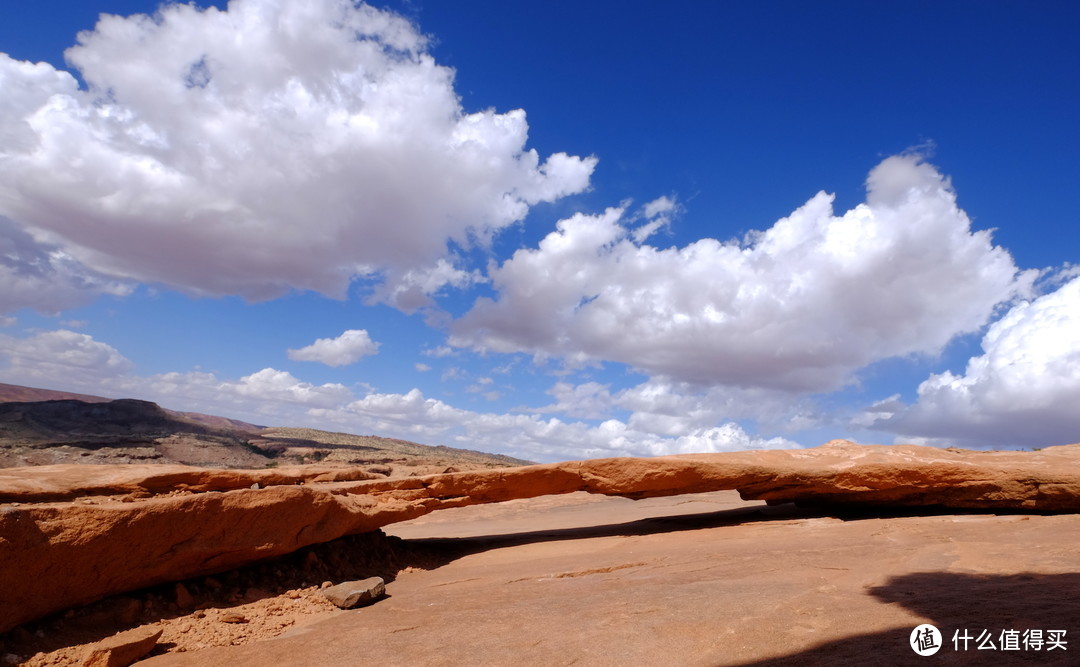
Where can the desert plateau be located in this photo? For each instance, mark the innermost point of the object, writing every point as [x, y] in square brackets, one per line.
[830, 555]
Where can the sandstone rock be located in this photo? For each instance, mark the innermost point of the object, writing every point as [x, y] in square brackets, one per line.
[122, 649]
[355, 593]
[183, 597]
[69, 553]
[67, 481]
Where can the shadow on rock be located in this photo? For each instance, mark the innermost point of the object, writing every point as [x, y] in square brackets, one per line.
[349, 558]
[968, 604]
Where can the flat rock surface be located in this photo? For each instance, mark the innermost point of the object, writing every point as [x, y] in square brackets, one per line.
[76, 536]
[707, 579]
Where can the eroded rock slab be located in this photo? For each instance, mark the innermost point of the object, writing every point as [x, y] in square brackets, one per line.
[55, 555]
[123, 649]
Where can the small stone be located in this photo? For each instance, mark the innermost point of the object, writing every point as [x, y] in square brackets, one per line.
[292, 595]
[326, 584]
[255, 486]
[122, 649]
[183, 597]
[356, 593]
[233, 617]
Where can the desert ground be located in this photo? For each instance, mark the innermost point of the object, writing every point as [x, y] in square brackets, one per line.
[824, 556]
[697, 579]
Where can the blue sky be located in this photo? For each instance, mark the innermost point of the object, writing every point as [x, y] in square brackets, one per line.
[550, 230]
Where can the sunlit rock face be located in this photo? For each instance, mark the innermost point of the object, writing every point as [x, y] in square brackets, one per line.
[75, 534]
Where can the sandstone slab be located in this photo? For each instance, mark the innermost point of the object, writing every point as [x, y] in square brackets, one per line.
[704, 579]
[54, 555]
[122, 649]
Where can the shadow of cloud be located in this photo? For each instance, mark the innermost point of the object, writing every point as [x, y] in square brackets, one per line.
[968, 604]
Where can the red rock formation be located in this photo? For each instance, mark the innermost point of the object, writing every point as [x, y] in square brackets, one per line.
[58, 554]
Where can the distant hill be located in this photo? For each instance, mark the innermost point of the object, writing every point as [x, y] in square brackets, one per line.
[16, 393]
[42, 426]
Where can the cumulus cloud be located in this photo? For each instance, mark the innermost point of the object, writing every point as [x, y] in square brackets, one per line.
[413, 290]
[43, 276]
[798, 307]
[73, 361]
[412, 415]
[668, 408]
[277, 145]
[76, 362]
[65, 356]
[348, 348]
[1022, 391]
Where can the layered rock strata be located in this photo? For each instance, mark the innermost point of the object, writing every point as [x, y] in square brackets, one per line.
[70, 535]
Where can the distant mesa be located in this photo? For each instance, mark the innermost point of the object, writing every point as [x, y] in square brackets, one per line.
[46, 427]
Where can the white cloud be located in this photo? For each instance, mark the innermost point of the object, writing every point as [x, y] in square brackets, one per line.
[412, 415]
[271, 384]
[277, 145]
[42, 276]
[589, 400]
[423, 368]
[660, 206]
[73, 359]
[348, 348]
[672, 409]
[453, 373]
[413, 290]
[798, 307]
[438, 352]
[76, 362]
[1022, 391]
[658, 214]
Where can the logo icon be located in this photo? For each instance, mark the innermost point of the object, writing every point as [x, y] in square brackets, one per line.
[925, 639]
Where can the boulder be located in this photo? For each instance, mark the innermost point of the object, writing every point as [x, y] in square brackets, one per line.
[356, 593]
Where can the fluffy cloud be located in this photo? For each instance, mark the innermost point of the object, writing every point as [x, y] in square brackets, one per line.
[413, 289]
[44, 277]
[412, 415]
[348, 348]
[797, 307]
[273, 396]
[277, 145]
[65, 356]
[1022, 391]
[77, 362]
[672, 409]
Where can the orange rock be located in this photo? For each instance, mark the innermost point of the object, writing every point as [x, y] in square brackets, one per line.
[122, 649]
[54, 555]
